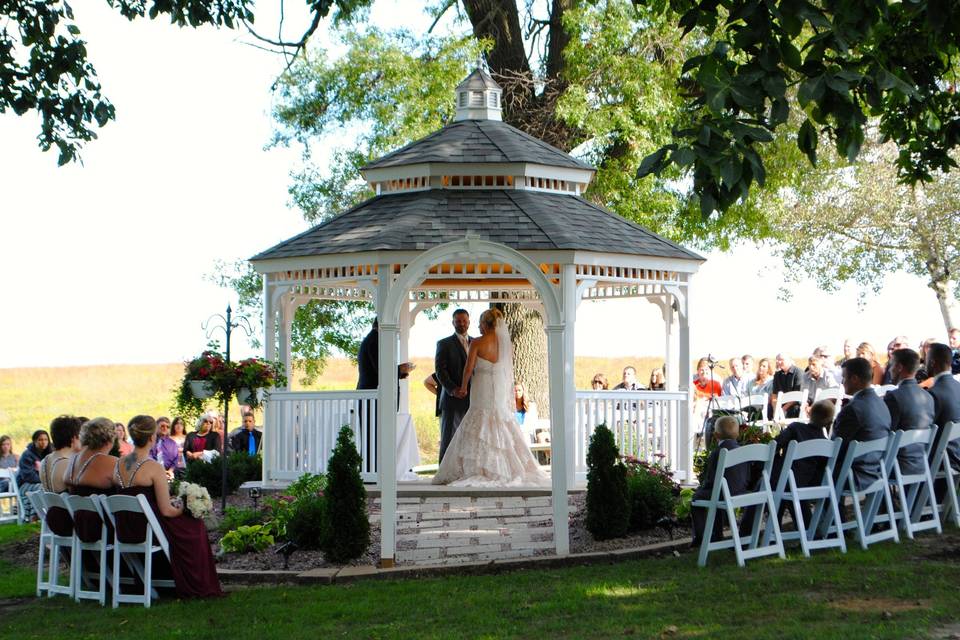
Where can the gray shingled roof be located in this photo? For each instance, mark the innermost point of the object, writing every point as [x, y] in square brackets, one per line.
[523, 220]
[478, 141]
[478, 79]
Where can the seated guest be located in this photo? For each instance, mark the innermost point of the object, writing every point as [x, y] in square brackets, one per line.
[8, 459]
[28, 469]
[946, 396]
[165, 450]
[787, 378]
[816, 377]
[910, 406]
[747, 362]
[65, 433]
[629, 381]
[123, 443]
[203, 439]
[900, 342]
[823, 352]
[703, 384]
[866, 351]
[600, 383]
[848, 352]
[737, 383]
[90, 472]
[248, 440]
[658, 381]
[924, 379]
[954, 338]
[763, 381]
[178, 433]
[521, 402]
[192, 565]
[726, 431]
[864, 418]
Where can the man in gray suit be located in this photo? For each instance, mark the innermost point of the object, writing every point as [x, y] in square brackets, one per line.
[864, 418]
[910, 406]
[449, 362]
[946, 395]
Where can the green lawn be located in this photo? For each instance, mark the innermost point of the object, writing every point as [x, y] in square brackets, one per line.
[891, 591]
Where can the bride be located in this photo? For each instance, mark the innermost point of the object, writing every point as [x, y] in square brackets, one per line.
[489, 448]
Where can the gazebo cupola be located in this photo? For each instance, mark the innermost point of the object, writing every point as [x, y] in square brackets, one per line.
[478, 97]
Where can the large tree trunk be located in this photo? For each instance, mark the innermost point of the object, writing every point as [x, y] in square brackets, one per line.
[529, 352]
[944, 288]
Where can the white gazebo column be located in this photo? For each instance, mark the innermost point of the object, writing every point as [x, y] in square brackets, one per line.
[685, 428]
[288, 307]
[387, 420]
[406, 322]
[570, 299]
[269, 321]
[558, 433]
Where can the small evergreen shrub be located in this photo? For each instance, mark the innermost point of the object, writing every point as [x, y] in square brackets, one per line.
[346, 529]
[306, 524]
[652, 492]
[608, 509]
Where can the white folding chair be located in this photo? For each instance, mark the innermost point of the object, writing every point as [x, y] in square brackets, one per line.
[834, 393]
[823, 495]
[941, 469]
[882, 389]
[786, 397]
[154, 541]
[873, 494]
[729, 403]
[10, 507]
[40, 507]
[758, 400]
[915, 490]
[59, 540]
[100, 546]
[721, 499]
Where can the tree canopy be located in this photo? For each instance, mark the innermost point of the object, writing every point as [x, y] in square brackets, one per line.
[836, 62]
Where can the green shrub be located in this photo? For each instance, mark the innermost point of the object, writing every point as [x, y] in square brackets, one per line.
[608, 509]
[247, 538]
[235, 517]
[309, 484]
[684, 505]
[306, 524]
[346, 532]
[240, 468]
[652, 493]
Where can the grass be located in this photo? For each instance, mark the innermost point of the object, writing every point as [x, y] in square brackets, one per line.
[890, 591]
[30, 398]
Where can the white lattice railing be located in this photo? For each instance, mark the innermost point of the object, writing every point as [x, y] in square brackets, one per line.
[644, 424]
[301, 428]
[300, 431]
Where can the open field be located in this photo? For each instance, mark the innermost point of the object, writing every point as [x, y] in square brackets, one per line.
[30, 398]
[903, 590]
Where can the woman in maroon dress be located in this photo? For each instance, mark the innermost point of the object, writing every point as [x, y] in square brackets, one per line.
[194, 571]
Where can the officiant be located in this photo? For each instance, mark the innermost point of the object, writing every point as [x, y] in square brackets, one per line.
[368, 361]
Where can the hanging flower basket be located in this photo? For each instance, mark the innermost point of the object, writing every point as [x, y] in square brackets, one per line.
[251, 397]
[254, 376]
[202, 389]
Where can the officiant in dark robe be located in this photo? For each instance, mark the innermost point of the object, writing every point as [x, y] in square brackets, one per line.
[368, 361]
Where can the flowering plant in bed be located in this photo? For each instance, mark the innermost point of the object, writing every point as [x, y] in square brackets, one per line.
[652, 492]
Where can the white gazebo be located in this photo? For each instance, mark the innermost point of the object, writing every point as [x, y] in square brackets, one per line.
[476, 212]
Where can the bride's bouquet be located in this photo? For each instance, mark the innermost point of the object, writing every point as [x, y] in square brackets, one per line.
[196, 499]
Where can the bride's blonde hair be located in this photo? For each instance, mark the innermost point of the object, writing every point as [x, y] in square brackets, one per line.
[490, 317]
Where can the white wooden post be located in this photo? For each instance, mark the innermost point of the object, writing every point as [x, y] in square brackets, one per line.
[684, 380]
[404, 354]
[287, 308]
[558, 433]
[269, 320]
[387, 420]
[570, 299]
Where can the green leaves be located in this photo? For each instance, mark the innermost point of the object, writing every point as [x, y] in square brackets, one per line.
[807, 141]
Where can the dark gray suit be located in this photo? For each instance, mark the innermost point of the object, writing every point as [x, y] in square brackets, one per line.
[864, 418]
[449, 362]
[946, 408]
[910, 408]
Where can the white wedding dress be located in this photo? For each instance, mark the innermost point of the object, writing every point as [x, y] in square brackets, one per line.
[489, 448]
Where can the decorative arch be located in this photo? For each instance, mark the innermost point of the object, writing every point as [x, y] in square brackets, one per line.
[416, 272]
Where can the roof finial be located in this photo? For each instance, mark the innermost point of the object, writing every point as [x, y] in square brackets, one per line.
[478, 96]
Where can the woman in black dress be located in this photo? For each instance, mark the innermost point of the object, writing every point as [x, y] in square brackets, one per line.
[192, 565]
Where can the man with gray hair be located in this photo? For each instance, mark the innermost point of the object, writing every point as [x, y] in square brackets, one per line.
[737, 383]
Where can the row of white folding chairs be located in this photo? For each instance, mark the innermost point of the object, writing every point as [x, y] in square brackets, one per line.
[129, 553]
[918, 506]
[10, 508]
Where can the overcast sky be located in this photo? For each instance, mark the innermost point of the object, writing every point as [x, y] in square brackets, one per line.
[106, 262]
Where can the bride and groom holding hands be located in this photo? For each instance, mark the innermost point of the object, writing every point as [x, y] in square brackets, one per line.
[481, 442]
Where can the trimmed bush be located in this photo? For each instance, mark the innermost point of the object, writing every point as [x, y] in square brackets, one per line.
[240, 468]
[652, 493]
[608, 510]
[346, 529]
[306, 524]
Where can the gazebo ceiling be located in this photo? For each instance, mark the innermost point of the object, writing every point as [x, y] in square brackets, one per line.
[521, 220]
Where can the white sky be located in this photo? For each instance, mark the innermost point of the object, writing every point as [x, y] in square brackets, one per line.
[106, 262]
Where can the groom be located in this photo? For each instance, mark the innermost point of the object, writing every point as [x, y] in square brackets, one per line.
[450, 360]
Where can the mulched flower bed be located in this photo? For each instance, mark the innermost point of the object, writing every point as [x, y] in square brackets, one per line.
[581, 540]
